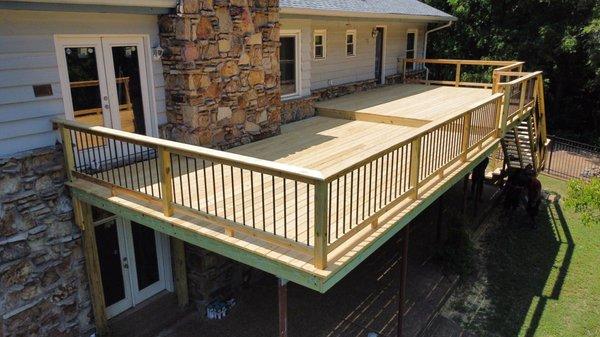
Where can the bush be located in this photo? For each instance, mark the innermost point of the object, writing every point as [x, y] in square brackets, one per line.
[584, 198]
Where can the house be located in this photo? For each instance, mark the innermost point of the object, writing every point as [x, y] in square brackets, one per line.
[115, 116]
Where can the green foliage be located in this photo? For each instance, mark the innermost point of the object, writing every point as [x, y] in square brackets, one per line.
[584, 198]
[560, 37]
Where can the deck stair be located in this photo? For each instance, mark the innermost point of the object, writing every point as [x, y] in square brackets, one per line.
[519, 144]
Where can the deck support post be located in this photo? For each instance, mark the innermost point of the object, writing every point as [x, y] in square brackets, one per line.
[180, 272]
[164, 162]
[438, 225]
[465, 191]
[282, 295]
[83, 217]
[403, 273]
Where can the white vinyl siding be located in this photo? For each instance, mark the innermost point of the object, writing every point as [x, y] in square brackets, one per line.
[27, 58]
[337, 68]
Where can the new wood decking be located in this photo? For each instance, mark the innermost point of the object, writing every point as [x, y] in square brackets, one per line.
[266, 218]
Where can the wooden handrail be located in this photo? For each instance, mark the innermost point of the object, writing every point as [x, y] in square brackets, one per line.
[222, 157]
[464, 62]
[412, 135]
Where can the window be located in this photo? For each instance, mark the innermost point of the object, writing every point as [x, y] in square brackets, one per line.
[289, 63]
[319, 40]
[411, 45]
[350, 42]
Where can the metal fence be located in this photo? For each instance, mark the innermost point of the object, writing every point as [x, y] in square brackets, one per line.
[570, 159]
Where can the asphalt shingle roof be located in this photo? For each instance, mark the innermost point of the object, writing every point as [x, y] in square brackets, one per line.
[398, 7]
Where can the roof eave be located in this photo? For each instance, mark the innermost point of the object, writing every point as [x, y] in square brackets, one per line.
[354, 14]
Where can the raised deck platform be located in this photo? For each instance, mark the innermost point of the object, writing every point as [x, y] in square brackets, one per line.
[307, 205]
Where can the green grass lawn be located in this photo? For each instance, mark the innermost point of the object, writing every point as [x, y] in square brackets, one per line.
[569, 302]
[535, 282]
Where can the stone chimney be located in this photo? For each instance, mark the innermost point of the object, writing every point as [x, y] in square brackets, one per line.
[221, 65]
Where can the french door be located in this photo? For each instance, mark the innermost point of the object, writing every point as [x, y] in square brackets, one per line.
[133, 261]
[104, 83]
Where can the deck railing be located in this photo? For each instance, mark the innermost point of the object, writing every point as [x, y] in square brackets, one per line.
[360, 194]
[285, 205]
[289, 206]
[240, 193]
[452, 72]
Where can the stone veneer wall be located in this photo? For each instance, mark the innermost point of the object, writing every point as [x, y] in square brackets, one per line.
[43, 284]
[221, 66]
[212, 276]
[300, 108]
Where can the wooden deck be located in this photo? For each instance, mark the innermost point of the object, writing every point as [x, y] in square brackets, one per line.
[410, 101]
[309, 204]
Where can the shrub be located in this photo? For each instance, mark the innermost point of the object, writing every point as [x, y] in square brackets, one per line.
[584, 198]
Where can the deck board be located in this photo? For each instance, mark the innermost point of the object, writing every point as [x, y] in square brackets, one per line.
[428, 102]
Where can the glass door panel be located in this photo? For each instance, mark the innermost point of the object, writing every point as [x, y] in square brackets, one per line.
[145, 249]
[86, 96]
[113, 265]
[128, 86]
[146, 262]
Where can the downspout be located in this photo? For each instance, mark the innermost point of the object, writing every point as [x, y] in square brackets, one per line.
[425, 44]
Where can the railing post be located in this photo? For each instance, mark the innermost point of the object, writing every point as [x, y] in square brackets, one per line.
[457, 77]
[404, 71]
[522, 98]
[466, 136]
[166, 181]
[67, 143]
[320, 222]
[505, 109]
[415, 165]
[495, 81]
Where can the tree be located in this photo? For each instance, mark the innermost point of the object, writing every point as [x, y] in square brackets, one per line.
[559, 37]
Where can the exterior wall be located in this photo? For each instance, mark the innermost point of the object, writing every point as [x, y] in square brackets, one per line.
[43, 284]
[27, 57]
[338, 68]
[222, 71]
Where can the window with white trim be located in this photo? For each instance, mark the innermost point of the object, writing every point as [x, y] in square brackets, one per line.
[351, 42]
[319, 44]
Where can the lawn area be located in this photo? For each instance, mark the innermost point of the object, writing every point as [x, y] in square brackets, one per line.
[543, 282]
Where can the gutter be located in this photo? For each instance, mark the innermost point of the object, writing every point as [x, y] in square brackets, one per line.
[425, 44]
[431, 31]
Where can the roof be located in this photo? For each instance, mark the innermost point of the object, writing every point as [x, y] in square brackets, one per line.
[365, 8]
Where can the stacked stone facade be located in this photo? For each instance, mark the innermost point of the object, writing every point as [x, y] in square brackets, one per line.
[43, 284]
[221, 66]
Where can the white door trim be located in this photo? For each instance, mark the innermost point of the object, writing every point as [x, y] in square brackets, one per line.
[297, 35]
[65, 85]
